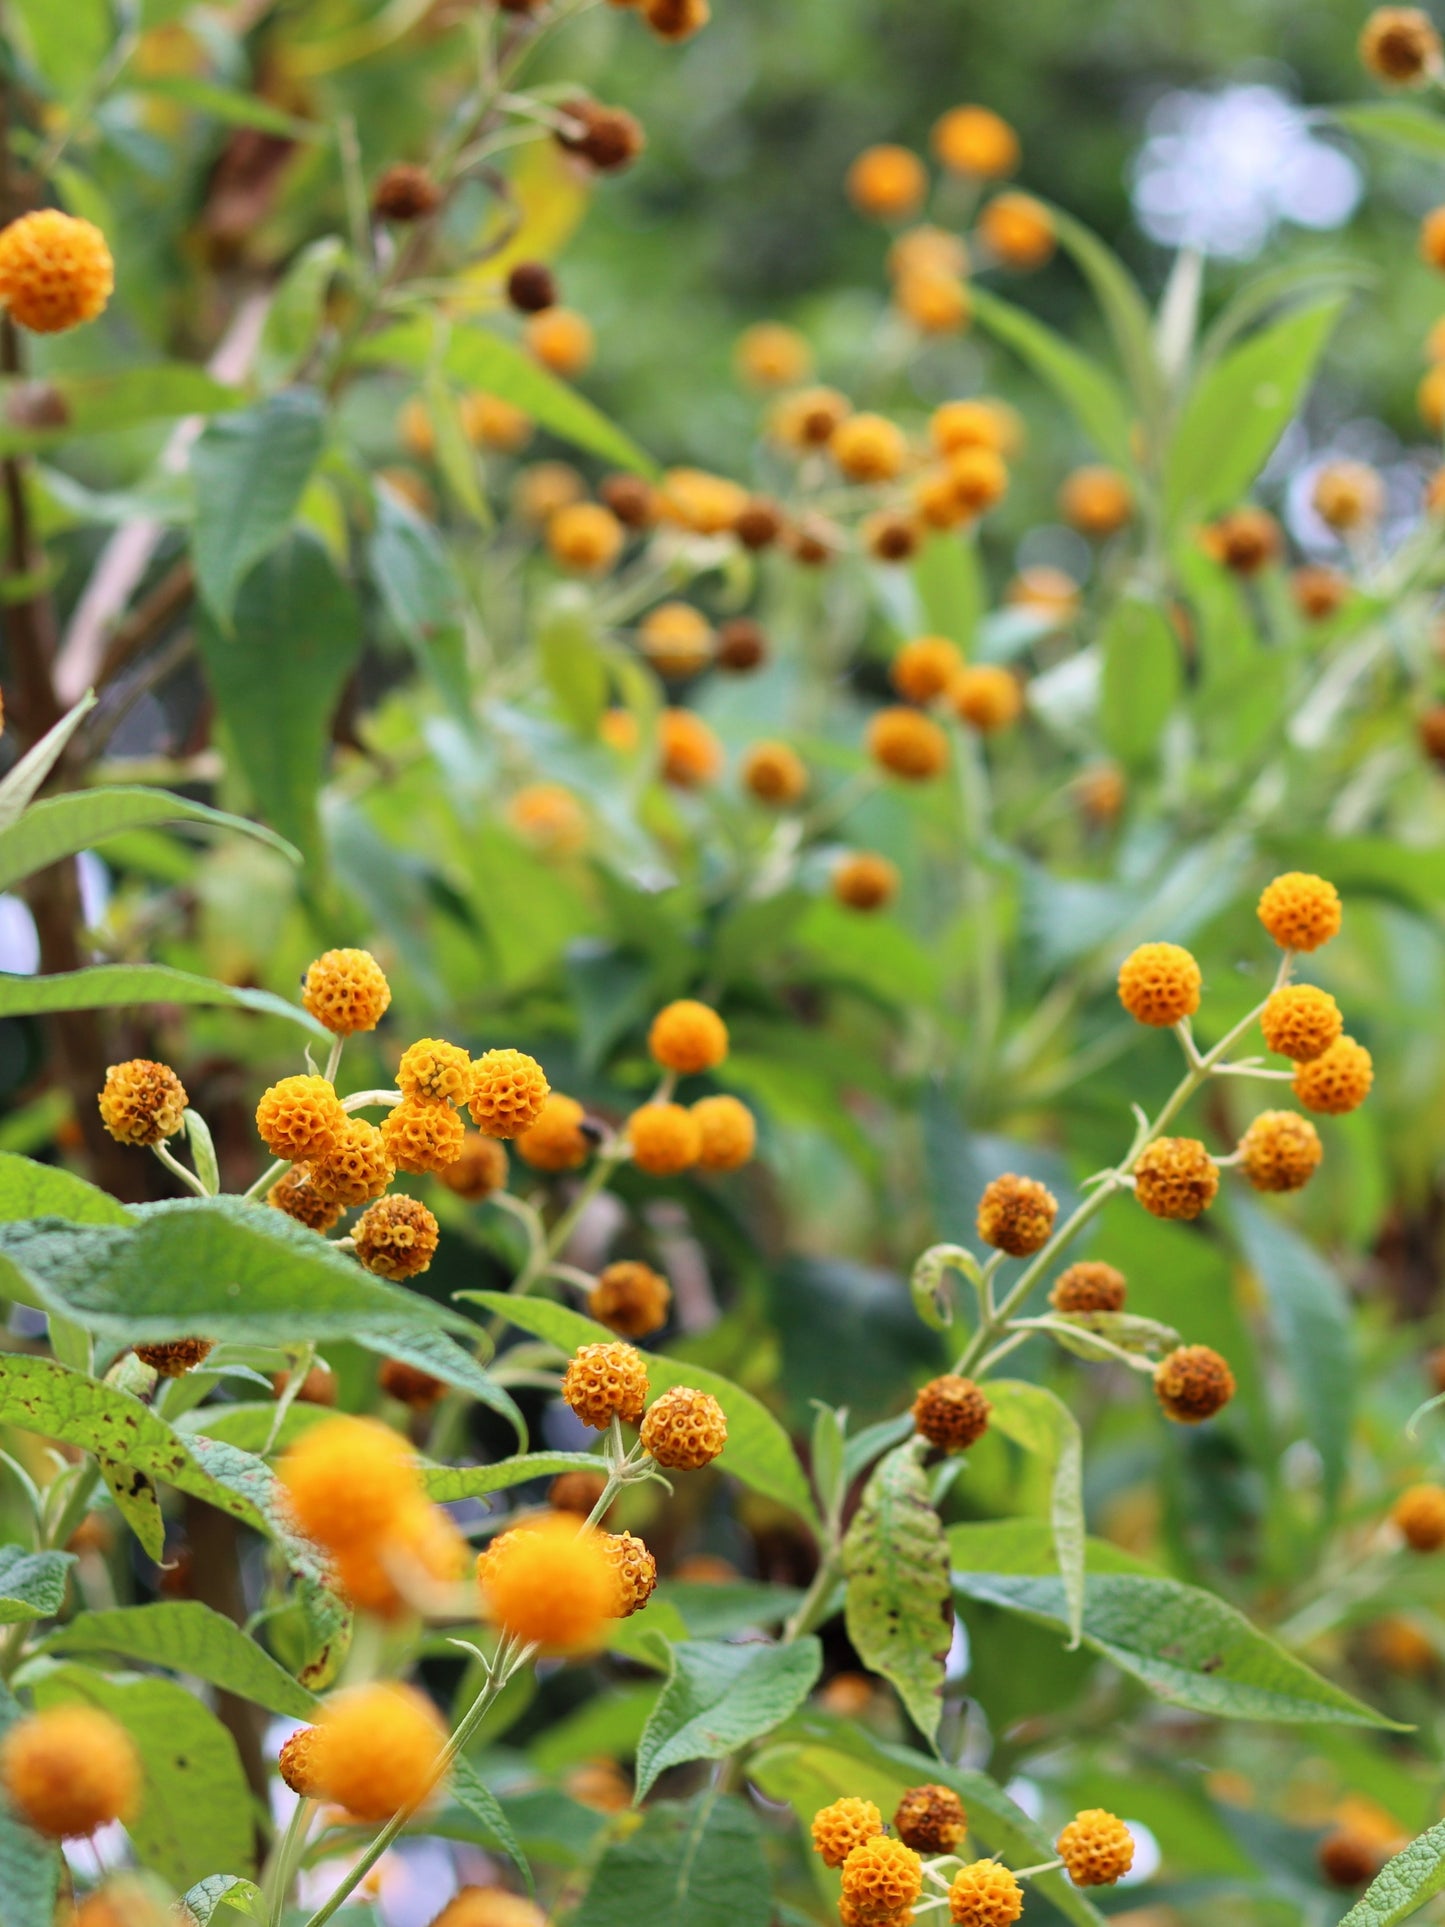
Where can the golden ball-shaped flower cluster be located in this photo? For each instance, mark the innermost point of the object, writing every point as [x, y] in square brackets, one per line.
[687, 1037]
[1348, 495]
[556, 1141]
[1244, 541]
[300, 1118]
[348, 1481]
[550, 1584]
[676, 639]
[931, 1819]
[865, 881]
[1400, 45]
[1159, 984]
[423, 1134]
[549, 818]
[1300, 1021]
[434, 1071]
[846, 1824]
[984, 1894]
[297, 1763]
[1175, 1177]
[772, 355]
[665, 1139]
[907, 745]
[70, 1770]
[56, 271]
[294, 1194]
[924, 668]
[142, 1102]
[508, 1090]
[378, 1750]
[887, 182]
[976, 141]
[630, 1298]
[584, 536]
[562, 340]
[1097, 501]
[358, 1167]
[951, 1412]
[479, 1170]
[633, 1567]
[728, 1132]
[1337, 1081]
[603, 1382]
[490, 1907]
[1096, 1848]
[1419, 1516]
[684, 1429]
[1280, 1151]
[986, 696]
[1300, 911]
[1089, 1286]
[1193, 1383]
[347, 991]
[396, 1237]
[692, 756]
[774, 773]
[882, 1878]
[1016, 1214]
[1018, 230]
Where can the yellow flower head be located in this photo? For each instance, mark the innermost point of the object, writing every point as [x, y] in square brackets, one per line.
[55, 271]
[550, 1584]
[69, 1771]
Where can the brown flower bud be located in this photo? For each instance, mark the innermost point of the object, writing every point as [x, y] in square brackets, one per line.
[405, 193]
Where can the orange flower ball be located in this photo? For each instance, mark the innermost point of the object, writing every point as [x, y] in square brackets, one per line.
[562, 341]
[549, 1584]
[379, 1750]
[976, 141]
[1159, 984]
[55, 271]
[869, 448]
[986, 696]
[666, 1139]
[555, 1140]
[1299, 911]
[1096, 501]
[907, 745]
[692, 756]
[925, 668]
[888, 183]
[687, 1037]
[771, 355]
[729, 1132]
[70, 1770]
[1018, 230]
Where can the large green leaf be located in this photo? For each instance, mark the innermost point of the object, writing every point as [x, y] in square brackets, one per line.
[250, 471]
[298, 309]
[446, 1484]
[195, 1810]
[1404, 1884]
[120, 986]
[818, 1757]
[62, 825]
[719, 1698]
[1239, 409]
[1311, 1315]
[277, 701]
[31, 1190]
[1122, 306]
[1184, 1644]
[1141, 682]
[951, 591]
[207, 1267]
[29, 1866]
[1396, 122]
[1034, 1418]
[32, 1584]
[439, 1354]
[757, 1452]
[475, 358]
[67, 44]
[898, 1603]
[94, 404]
[699, 1865]
[1027, 1546]
[1094, 397]
[187, 1637]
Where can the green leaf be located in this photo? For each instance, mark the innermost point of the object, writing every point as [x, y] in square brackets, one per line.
[475, 358]
[1240, 407]
[298, 307]
[62, 825]
[1141, 682]
[99, 404]
[719, 1698]
[1185, 1645]
[445, 1484]
[29, 1866]
[229, 105]
[1026, 1546]
[227, 1890]
[119, 986]
[218, 1268]
[1311, 1315]
[1283, 286]
[35, 765]
[950, 586]
[1122, 306]
[1404, 1884]
[31, 1190]
[898, 1605]
[444, 1358]
[1034, 1418]
[67, 45]
[573, 665]
[187, 1637]
[699, 1865]
[32, 1584]
[758, 1451]
[469, 1791]
[1094, 397]
[277, 703]
[250, 471]
[195, 1811]
[1414, 129]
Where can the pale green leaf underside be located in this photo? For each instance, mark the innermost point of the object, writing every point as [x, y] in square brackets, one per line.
[721, 1697]
[898, 1604]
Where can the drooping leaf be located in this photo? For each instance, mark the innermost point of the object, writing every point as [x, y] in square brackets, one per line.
[277, 703]
[32, 1584]
[60, 826]
[31, 1190]
[187, 1637]
[898, 1603]
[195, 1810]
[120, 986]
[228, 104]
[1239, 409]
[1122, 305]
[1034, 1418]
[95, 404]
[475, 358]
[445, 1484]
[951, 591]
[29, 1866]
[294, 318]
[1027, 1546]
[757, 1452]
[719, 1698]
[1312, 1318]
[1415, 130]
[1403, 1884]
[1184, 1644]
[440, 1355]
[699, 1865]
[216, 1268]
[1141, 681]
[249, 471]
[24, 781]
[569, 650]
[1092, 395]
[469, 1791]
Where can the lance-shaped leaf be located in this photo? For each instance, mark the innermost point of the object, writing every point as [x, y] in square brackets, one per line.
[699, 1865]
[1095, 398]
[61, 825]
[29, 1866]
[1034, 1418]
[1184, 1644]
[249, 471]
[121, 986]
[469, 1791]
[1403, 1884]
[898, 1603]
[188, 1637]
[445, 1484]
[719, 1698]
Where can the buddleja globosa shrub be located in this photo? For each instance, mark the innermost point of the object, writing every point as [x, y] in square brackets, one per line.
[664, 1283]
